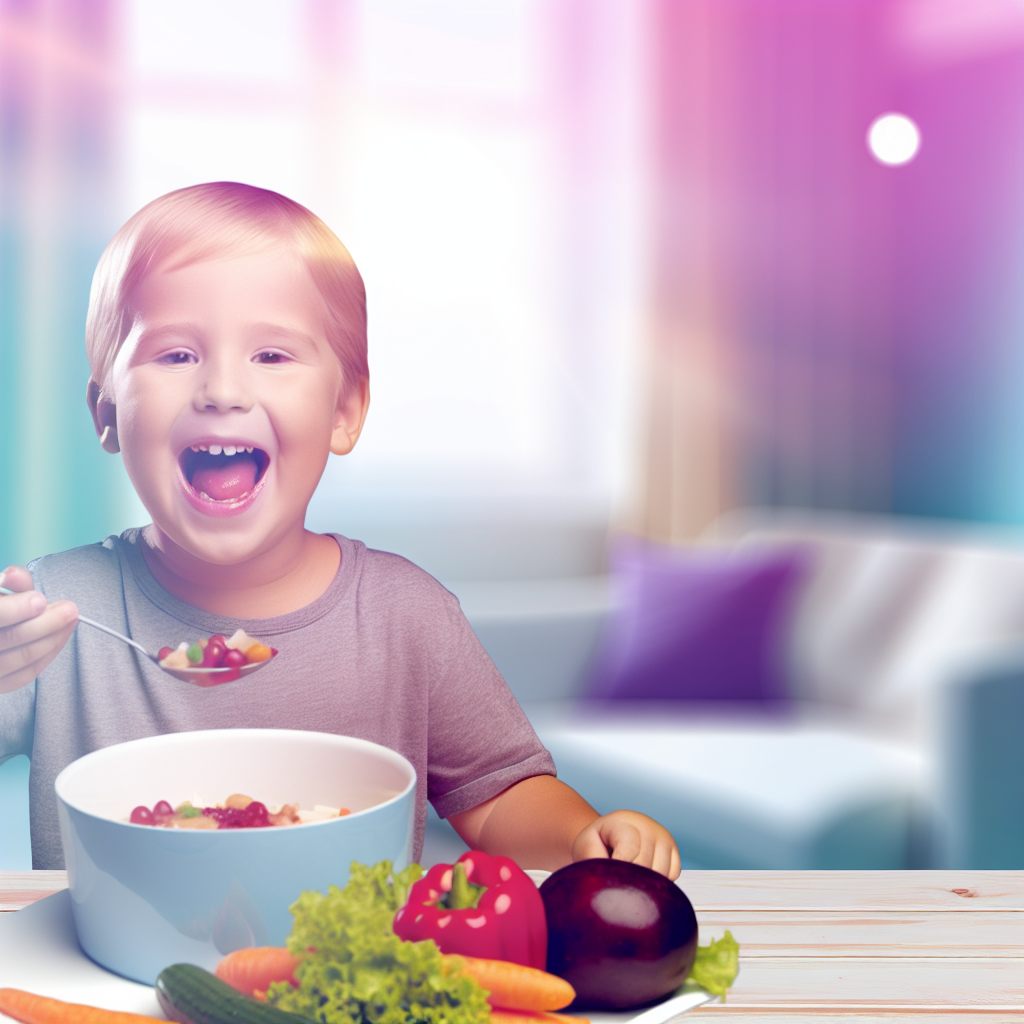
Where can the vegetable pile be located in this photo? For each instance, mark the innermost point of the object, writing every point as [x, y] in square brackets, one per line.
[354, 968]
[345, 964]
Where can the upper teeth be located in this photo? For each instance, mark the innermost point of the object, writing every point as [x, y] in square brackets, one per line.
[216, 449]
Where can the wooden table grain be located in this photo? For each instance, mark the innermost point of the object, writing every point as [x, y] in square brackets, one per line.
[870, 946]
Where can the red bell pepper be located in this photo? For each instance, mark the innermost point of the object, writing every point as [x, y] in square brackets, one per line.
[480, 906]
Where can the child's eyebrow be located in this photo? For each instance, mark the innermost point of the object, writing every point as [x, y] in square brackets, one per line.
[151, 334]
[186, 328]
[268, 330]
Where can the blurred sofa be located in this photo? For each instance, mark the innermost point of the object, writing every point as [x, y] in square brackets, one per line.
[901, 743]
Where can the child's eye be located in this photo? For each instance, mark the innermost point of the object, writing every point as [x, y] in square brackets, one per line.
[271, 358]
[177, 358]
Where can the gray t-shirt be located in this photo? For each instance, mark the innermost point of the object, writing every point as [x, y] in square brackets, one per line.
[384, 654]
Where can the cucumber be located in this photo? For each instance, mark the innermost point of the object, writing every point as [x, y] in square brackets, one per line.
[190, 995]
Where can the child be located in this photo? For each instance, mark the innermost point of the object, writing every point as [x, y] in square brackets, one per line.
[226, 338]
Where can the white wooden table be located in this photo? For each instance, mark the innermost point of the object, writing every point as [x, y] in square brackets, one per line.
[869, 946]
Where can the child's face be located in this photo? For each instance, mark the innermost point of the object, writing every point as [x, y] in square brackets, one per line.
[230, 353]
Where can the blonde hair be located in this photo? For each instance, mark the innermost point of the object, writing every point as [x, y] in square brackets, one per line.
[223, 218]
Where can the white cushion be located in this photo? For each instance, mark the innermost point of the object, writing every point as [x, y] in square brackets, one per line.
[766, 794]
[890, 611]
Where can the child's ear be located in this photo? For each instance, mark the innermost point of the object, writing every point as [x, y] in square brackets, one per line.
[349, 418]
[104, 417]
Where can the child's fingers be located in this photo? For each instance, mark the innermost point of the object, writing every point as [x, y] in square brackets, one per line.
[14, 659]
[662, 859]
[629, 836]
[623, 838]
[589, 845]
[21, 664]
[15, 608]
[24, 676]
[16, 578]
[634, 837]
[28, 618]
[15, 681]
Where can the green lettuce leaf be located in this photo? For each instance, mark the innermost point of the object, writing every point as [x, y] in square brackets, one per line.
[355, 969]
[716, 965]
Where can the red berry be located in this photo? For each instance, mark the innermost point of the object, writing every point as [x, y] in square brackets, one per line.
[163, 652]
[213, 654]
[162, 809]
[218, 638]
[256, 815]
[233, 659]
[141, 816]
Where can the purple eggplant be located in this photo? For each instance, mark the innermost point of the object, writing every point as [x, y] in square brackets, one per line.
[623, 936]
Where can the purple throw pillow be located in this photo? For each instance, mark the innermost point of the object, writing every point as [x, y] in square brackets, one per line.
[702, 624]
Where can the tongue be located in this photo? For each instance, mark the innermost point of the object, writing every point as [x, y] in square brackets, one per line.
[227, 477]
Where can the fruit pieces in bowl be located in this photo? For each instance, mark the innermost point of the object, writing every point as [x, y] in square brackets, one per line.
[236, 651]
[238, 811]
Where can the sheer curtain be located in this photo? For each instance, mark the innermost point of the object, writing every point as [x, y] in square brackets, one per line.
[482, 163]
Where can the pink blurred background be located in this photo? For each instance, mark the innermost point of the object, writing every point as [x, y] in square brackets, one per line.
[631, 264]
[625, 259]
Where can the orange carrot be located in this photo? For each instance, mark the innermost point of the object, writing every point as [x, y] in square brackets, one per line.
[499, 1015]
[33, 1009]
[514, 986]
[252, 970]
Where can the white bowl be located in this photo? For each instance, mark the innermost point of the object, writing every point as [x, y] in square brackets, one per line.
[146, 897]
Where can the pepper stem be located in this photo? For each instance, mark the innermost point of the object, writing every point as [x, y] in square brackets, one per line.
[463, 894]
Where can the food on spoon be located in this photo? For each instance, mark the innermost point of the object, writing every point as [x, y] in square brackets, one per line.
[32, 1009]
[190, 995]
[238, 811]
[216, 652]
[620, 934]
[355, 969]
[481, 906]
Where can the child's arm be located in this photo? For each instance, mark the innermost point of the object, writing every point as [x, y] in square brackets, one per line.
[542, 823]
[32, 632]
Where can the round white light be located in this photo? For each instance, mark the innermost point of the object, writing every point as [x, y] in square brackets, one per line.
[894, 139]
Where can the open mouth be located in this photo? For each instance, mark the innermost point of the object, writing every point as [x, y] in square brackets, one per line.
[224, 474]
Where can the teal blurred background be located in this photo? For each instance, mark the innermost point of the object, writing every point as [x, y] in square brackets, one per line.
[629, 263]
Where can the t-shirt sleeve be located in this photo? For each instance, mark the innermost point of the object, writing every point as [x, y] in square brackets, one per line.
[479, 741]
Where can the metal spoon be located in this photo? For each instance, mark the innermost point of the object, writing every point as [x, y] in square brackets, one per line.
[199, 676]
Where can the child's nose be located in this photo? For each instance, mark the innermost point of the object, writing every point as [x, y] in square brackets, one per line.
[223, 388]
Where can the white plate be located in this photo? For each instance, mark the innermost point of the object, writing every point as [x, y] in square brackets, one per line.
[40, 953]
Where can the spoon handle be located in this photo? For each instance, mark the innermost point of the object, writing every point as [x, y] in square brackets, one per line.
[105, 629]
[114, 633]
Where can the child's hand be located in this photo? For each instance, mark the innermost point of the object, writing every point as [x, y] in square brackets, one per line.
[32, 632]
[629, 835]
